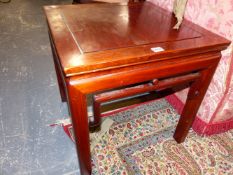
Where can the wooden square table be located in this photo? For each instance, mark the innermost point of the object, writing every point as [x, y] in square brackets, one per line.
[99, 47]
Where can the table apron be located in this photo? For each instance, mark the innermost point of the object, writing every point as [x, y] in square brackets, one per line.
[119, 78]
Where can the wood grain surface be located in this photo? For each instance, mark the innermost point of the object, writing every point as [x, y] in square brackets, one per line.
[95, 37]
[101, 47]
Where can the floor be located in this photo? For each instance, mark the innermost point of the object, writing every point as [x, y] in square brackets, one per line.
[29, 96]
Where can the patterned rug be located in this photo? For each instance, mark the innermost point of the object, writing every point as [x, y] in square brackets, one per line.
[140, 142]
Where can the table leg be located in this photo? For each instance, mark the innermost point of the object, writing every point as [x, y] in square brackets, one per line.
[58, 72]
[195, 96]
[78, 109]
[60, 83]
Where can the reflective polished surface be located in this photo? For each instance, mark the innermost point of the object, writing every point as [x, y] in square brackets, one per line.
[90, 37]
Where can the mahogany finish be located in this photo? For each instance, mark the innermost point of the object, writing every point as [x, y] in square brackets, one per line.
[100, 47]
[154, 85]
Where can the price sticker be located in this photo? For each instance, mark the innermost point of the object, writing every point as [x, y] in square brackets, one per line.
[157, 49]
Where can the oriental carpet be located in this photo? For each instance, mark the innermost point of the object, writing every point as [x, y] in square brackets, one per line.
[140, 142]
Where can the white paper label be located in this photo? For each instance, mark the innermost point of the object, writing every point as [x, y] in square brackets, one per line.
[157, 49]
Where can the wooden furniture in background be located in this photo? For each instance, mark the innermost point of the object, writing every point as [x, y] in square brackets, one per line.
[100, 47]
[107, 1]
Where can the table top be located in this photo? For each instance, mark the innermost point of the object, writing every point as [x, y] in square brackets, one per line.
[97, 37]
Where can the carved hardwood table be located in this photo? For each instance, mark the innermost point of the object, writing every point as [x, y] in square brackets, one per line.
[100, 47]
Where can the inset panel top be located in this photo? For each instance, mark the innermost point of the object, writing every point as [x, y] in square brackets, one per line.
[94, 37]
